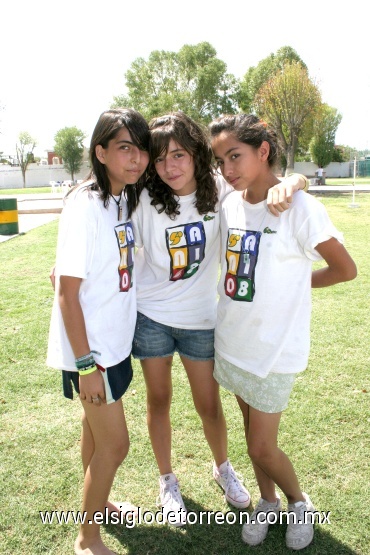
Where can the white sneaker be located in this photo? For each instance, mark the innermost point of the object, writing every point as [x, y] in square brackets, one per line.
[300, 534]
[235, 493]
[170, 499]
[255, 531]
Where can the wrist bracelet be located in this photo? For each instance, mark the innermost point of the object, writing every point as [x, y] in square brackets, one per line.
[305, 179]
[85, 362]
[83, 358]
[87, 371]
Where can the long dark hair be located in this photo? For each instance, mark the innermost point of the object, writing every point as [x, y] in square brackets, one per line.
[190, 136]
[248, 129]
[109, 124]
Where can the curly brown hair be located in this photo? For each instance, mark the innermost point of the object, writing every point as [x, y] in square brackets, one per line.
[190, 136]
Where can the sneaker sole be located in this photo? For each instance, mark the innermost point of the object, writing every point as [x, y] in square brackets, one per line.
[298, 548]
[232, 502]
[252, 541]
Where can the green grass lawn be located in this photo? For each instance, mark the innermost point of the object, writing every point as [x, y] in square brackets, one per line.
[338, 181]
[40, 190]
[325, 430]
[26, 191]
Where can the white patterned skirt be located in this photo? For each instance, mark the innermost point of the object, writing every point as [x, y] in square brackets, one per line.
[270, 394]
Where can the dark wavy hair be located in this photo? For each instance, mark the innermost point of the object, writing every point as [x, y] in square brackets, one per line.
[248, 129]
[190, 136]
[109, 124]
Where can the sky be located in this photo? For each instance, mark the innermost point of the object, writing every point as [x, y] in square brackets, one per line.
[62, 63]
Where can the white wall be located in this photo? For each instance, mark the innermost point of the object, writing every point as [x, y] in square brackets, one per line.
[37, 176]
[334, 169]
[40, 176]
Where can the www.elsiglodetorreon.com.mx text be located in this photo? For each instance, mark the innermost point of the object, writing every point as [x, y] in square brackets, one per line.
[130, 519]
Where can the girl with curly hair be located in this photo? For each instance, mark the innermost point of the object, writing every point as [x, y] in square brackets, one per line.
[176, 227]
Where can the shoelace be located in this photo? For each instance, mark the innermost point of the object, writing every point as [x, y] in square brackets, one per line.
[170, 492]
[234, 480]
[257, 510]
[262, 508]
[300, 515]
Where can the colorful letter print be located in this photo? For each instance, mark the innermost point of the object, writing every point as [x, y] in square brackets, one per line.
[126, 243]
[241, 256]
[186, 245]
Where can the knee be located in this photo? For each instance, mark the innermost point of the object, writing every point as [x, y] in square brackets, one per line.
[260, 453]
[159, 401]
[117, 453]
[211, 412]
[122, 452]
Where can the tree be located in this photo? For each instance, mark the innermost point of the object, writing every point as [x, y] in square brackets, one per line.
[24, 149]
[68, 145]
[257, 76]
[193, 80]
[323, 141]
[287, 101]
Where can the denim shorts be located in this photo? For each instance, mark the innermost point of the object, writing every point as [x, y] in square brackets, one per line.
[116, 378]
[153, 340]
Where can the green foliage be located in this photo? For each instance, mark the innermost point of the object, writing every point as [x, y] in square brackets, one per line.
[69, 146]
[322, 144]
[24, 149]
[257, 76]
[193, 80]
[287, 101]
[359, 153]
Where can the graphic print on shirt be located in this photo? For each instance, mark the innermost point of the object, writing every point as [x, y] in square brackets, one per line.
[186, 245]
[126, 243]
[241, 257]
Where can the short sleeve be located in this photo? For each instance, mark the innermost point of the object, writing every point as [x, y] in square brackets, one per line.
[78, 229]
[315, 227]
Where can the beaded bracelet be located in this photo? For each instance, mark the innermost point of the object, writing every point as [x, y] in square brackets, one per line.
[85, 362]
[87, 371]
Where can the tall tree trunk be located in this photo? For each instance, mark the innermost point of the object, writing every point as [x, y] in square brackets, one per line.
[290, 153]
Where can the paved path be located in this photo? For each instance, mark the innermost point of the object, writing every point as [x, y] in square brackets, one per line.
[36, 210]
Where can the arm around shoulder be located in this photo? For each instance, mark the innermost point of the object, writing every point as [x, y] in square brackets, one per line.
[280, 196]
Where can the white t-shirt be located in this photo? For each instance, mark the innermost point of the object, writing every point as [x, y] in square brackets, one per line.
[263, 317]
[94, 246]
[177, 263]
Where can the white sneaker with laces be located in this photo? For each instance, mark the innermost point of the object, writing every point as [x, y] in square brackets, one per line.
[235, 493]
[255, 531]
[299, 534]
[170, 499]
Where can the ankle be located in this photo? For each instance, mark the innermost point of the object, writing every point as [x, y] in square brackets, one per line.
[223, 466]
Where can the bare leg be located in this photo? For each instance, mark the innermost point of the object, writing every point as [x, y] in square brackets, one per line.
[271, 465]
[107, 426]
[87, 443]
[87, 451]
[206, 397]
[157, 375]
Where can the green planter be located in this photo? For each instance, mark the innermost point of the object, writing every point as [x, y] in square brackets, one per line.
[9, 216]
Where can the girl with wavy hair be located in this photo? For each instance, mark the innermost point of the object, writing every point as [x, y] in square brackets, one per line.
[176, 227]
